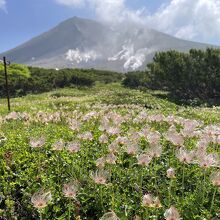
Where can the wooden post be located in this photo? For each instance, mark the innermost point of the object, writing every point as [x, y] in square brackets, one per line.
[6, 82]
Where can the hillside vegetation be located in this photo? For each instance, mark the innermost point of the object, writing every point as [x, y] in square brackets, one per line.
[108, 152]
[24, 80]
[186, 76]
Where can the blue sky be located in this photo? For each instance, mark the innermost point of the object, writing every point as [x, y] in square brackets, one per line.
[197, 20]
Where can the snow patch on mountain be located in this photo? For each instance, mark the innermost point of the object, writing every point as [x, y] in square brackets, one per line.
[133, 59]
[126, 52]
[75, 55]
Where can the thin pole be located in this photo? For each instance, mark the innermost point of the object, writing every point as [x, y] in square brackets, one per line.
[6, 83]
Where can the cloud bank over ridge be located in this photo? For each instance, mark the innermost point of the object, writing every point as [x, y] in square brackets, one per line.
[192, 20]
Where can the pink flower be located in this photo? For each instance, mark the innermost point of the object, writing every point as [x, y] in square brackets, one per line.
[89, 116]
[134, 136]
[12, 116]
[100, 177]
[132, 148]
[73, 147]
[113, 147]
[104, 124]
[41, 199]
[144, 159]
[215, 178]
[137, 217]
[157, 118]
[59, 145]
[37, 142]
[113, 130]
[70, 189]
[185, 156]
[144, 132]
[176, 139]
[103, 139]
[100, 162]
[172, 214]
[189, 128]
[150, 201]
[202, 144]
[121, 140]
[157, 203]
[86, 136]
[155, 150]
[171, 173]
[74, 124]
[208, 160]
[25, 116]
[109, 216]
[154, 137]
[110, 158]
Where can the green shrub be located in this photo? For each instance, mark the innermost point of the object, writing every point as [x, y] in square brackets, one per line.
[187, 76]
[135, 79]
[18, 76]
[193, 75]
[23, 80]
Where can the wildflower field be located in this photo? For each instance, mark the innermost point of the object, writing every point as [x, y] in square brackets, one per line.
[108, 153]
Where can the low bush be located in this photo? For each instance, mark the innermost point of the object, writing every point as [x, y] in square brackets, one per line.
[187, 76]
[23, 80]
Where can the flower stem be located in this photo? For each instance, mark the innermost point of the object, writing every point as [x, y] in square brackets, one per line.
[203, 190]
[141, 179]
[170, 192]
[183, 180]
[101, 195]
[213, 199]
[113, 198]
[146, 214]
[59, 173]
[41, 216]
[39, 163]
[74, 169]
[69, 211]
[155, 175]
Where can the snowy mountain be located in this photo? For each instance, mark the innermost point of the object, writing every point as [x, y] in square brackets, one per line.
[83, 43]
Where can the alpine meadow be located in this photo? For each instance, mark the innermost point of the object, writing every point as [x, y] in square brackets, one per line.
[105, 117]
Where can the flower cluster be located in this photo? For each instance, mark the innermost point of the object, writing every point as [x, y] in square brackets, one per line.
[117, 145]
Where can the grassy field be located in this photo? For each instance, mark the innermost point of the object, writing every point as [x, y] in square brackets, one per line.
[108, 152]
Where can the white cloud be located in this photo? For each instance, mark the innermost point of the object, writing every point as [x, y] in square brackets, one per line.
[188, 19]
[115, 11]
[195, 20]
[108, 10]
[133, 59]
[77, 56]
[71, 2]
[3, 4]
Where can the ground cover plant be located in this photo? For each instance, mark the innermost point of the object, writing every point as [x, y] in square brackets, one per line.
[108, 152]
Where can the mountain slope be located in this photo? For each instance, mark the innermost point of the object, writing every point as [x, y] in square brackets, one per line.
[86, 43]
